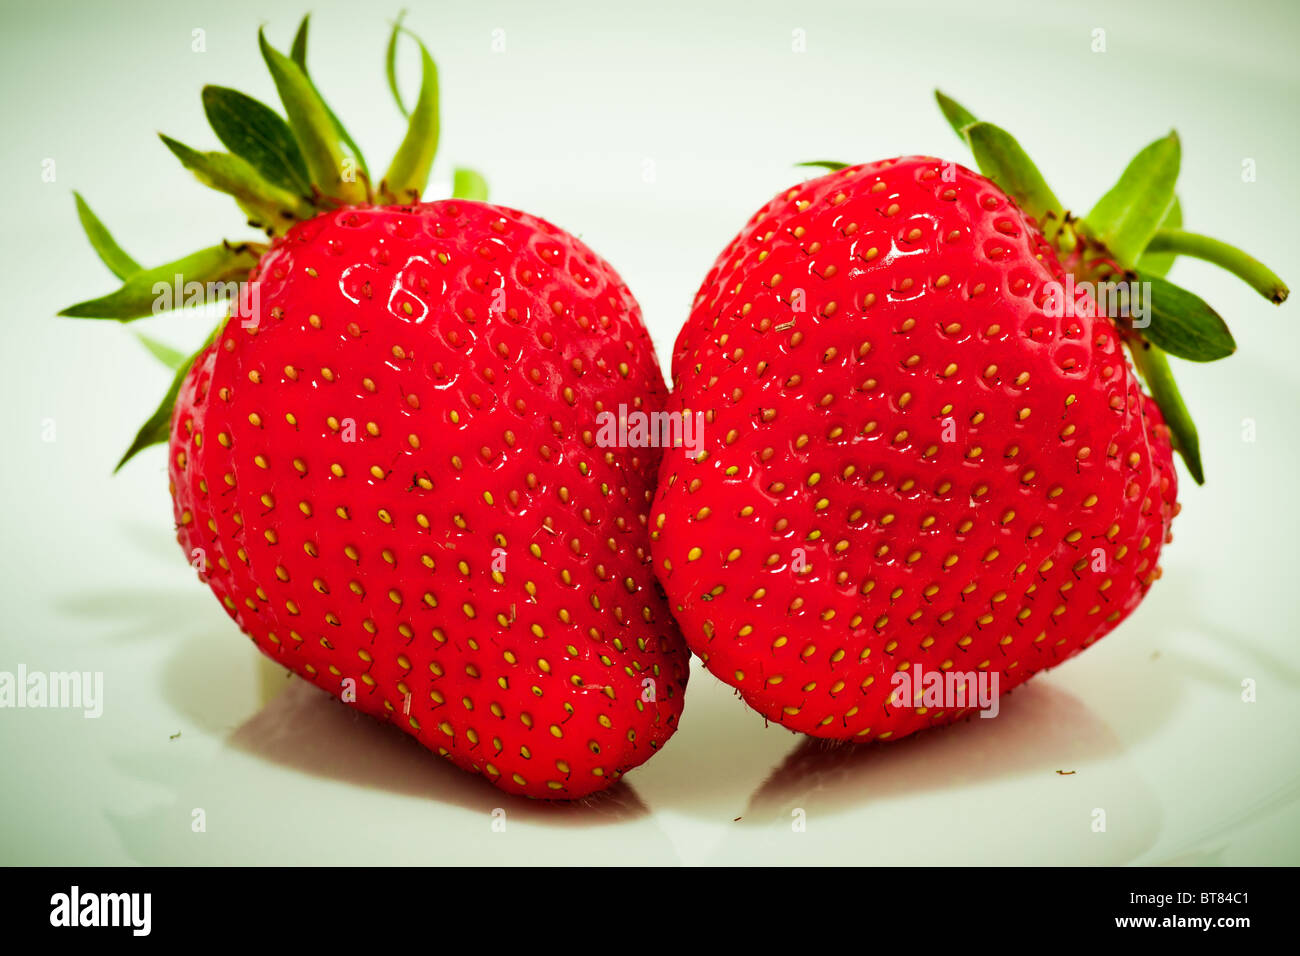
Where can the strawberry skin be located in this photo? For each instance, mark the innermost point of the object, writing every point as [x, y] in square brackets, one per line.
[387, 472]
[906, 462]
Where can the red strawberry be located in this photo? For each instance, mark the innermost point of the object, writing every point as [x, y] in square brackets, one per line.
[385, 467]
[908, 464]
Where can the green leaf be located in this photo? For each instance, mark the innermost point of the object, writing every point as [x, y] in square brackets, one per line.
[1127, 217]
[1002, 160]
[957, 115]
[1181, 323]
[469, 184]
[162, 352]
[409, 172]
[831, 164]
[252, 130]
[1245, 267]
[264, 204]
[353, 149]
[313, 126]
[153, 291]
[390, 64]
[298, 54]
[1159, 263]
[157, 430]
[102, 241]
[1154, 367]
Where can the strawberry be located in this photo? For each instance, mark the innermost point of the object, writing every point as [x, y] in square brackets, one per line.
[384, 465]
[927, 465]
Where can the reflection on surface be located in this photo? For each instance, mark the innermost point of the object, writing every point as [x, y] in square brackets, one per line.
[1040, 727]
[307, 730]
[980, 791]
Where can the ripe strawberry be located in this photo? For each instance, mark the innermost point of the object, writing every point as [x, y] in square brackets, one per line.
[385, 467]
[908, 463]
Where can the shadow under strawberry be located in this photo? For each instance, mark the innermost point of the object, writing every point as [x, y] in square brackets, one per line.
[307, 730]
[205, 681]
[353, 792]
[308, 781]
[1039, 729]
[935, 798]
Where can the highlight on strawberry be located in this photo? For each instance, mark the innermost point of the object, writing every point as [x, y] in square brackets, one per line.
[929, 471]
[383, 461]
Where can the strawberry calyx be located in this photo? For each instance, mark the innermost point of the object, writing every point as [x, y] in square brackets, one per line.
[1127, 241]
[1130, 238]
[280, 170]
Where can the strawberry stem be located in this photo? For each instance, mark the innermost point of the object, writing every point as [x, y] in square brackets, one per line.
[1245, 267]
